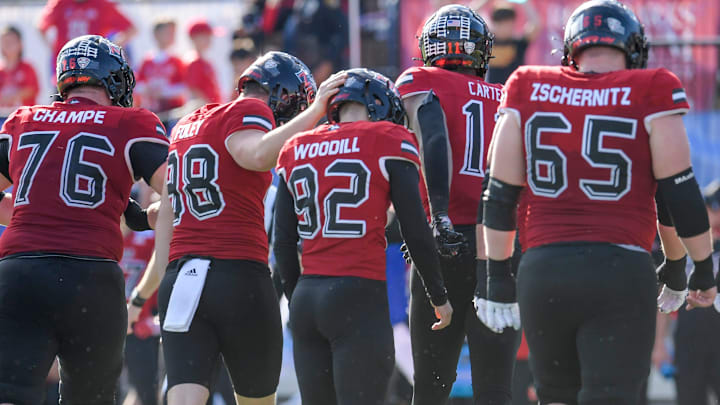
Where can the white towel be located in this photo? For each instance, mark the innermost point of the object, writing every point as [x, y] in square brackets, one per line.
[185, 295]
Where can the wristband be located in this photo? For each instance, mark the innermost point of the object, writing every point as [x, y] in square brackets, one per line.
[136, 300]
[702, 277]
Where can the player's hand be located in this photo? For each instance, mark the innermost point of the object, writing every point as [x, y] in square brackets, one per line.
[327, 89]
[133, 316]
[152, 213]
[406, 253]
[450, 244]
[671, 273]
[501, 308]
[701, 298]
[444, 315]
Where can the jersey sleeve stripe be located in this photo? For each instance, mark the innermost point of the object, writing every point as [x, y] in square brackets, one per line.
[408, 147]
[651, 117]
[679, 96]
[407, 79]
[257, 120]
[160, 130]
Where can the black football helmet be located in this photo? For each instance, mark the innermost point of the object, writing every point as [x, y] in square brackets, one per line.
[456, 36]
[605, 23]
[287, 80]
[92, 60]
[372, 90]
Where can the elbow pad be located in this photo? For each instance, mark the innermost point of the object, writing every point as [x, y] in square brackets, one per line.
[685, 204]
[135, 217]
[500, 205]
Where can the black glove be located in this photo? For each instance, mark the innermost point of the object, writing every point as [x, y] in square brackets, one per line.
[450, 244]
[672, 274]
[702, 277]
[500, 281]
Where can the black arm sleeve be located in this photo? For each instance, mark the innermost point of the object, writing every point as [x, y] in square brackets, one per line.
[405, 196]
[146, 157]
[663, 214]
[285, 239]
[435, 152]
[485, 183]
[136, 217]
[4, 158]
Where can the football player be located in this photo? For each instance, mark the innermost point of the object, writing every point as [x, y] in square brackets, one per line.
[218, 173]
[72, 165]
[592, 140]
[452, 111]
[338, 181]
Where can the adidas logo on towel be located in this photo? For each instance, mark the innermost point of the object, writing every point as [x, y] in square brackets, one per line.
[191, 272]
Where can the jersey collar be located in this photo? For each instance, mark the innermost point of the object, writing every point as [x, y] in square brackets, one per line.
[79, 100]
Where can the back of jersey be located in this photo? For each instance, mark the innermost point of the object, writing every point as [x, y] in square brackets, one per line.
[218, 205]
[340, 185]
[586, 137]
[71, 168]
[469, 105]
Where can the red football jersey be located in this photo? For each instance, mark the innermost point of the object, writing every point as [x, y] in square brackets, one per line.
[218, 205]
[589, 168]
[22, 76]
[73, 19]
[137, 250]
[201, 78]
[469, 105]
[340, 185]
[167, 73]
[71, 167]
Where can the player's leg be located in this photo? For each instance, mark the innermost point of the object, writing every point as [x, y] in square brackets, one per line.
[690, 353]
[141, 360]
[311, 350]
[28, 304]
[615, 342]
[492, 355]
[549, 310]
[91, 331]
[190, 357]
[247, 319]
[436, 353]
[356, 321]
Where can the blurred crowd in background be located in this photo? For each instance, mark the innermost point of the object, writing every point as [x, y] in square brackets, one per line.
[189, 53]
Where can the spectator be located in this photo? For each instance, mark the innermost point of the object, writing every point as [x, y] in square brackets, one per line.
[18, 81]
[161, 78]
[317, 33]
[509, 48]
[200, 74]
[63, 20]
[242, 56]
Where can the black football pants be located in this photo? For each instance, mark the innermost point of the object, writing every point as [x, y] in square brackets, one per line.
[588, 311]
[436, 353]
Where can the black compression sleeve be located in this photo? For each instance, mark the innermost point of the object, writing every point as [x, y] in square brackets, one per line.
[5, 158]
[136, 217]
[285, 239]
[405, 196]
[146, 157]
[663, 214]
[485, 183]
[500, 205]
[435, 152]
[685, 204]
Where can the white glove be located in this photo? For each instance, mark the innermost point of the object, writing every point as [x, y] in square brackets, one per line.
[498, 316]
[670, 300]
[716, 304]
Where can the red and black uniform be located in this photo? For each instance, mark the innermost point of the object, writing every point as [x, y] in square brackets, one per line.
[219, 213]
[470, 105]
[590, 222]
[337, 182]
[61, 291]
[143, 346]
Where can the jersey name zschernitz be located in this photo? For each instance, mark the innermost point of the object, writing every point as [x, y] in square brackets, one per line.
[554, 181]
[82, 182]
[304, 185]
[199, 173]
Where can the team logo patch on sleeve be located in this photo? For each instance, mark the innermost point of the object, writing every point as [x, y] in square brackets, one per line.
[679, 96]
[257, 120]
[408, 147]
[407, 79]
